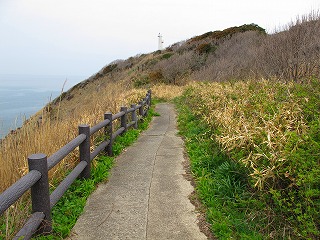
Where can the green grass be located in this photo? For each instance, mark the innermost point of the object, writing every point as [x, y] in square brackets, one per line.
[66, 212]
[288, 206]
[221, 184]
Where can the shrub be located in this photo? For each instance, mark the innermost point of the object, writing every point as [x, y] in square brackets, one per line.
[109, 68]
[228, 32]
[140, 81]
[156, 76]
[167, 55]
[205, 48]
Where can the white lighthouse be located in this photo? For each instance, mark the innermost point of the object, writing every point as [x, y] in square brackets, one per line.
[160, 42]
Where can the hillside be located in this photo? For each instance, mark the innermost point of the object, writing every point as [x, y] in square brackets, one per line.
[281, 119]
[240, 72]
[234, 53]
[176, 65]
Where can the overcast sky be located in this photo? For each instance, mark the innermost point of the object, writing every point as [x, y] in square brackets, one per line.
[79, 37]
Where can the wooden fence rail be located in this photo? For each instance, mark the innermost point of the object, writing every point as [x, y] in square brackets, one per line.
[40, 164]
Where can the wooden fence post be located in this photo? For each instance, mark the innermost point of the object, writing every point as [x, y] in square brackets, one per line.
[40, 191]
[147, 104]
[141, 108]
[134, 116]
[84, 149]
[123, 119]
[108, 132]
[150, 92]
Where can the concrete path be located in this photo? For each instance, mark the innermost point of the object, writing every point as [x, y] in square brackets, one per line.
[146, 196]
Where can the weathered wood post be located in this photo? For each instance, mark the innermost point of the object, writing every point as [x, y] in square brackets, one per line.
[108, 132]
[141, 108]
[40, 191]
[84, 149]
[134, 116]
[123, 119]
[150, 92]
[147, 104]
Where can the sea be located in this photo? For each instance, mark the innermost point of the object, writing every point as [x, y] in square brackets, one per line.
[21, 96]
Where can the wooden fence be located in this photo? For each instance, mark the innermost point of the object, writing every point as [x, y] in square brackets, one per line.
[40, 164]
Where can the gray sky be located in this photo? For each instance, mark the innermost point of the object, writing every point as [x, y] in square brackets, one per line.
[79, 37]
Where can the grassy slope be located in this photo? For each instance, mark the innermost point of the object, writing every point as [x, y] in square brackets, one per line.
[220, 185]
[254, 148]
[59, 125]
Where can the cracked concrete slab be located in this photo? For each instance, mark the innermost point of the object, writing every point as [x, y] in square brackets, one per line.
[146, 196]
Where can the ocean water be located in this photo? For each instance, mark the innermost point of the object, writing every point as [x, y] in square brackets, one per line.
[21, 96]
[17, 105]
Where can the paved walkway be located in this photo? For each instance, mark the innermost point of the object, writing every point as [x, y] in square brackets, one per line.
[146, 196]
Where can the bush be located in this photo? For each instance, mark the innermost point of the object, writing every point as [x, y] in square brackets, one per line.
[109, 68]
[156, 76]
[228, 32]
[140, 81]
[205, 48]
[294, 52]
[167, 55]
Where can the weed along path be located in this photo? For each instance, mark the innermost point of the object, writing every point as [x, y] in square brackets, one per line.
[146, 196]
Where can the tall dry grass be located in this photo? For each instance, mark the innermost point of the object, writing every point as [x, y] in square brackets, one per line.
[272, 128]
[253, 121]
[59, 125]
[167, 92]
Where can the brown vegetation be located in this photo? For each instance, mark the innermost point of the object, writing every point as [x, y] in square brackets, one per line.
[235, 53]
[59, 124]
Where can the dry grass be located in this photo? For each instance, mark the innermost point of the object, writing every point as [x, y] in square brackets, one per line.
[59, 125]
[167, 92]
[248, 123]
[271, 128]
